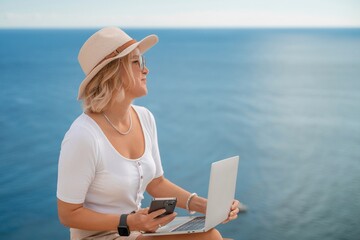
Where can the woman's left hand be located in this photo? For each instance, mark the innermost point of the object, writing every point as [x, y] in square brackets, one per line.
[236, 207]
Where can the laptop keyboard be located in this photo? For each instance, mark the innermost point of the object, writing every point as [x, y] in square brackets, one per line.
[195, 224]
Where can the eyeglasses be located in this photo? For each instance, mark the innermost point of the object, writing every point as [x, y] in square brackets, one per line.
[141, 61]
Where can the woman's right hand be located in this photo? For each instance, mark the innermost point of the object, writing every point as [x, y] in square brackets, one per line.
[147, 222]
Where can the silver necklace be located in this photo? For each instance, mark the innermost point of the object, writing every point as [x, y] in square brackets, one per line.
[122, 133]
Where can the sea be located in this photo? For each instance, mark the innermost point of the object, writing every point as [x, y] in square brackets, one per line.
[287, 101]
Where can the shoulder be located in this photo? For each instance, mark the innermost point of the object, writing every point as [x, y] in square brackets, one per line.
[147, 118]
[144, 113]
[82, 130]
[81, 143]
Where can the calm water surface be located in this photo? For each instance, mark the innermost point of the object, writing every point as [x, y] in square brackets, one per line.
[286, 101]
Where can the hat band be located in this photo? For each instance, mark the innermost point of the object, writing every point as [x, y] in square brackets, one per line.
[117, 51]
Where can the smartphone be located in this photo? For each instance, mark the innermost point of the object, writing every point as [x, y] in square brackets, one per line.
[168, 204]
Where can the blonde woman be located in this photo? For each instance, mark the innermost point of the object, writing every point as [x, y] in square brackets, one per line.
[109, 157]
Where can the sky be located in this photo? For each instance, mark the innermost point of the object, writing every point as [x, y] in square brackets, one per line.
[181, 13]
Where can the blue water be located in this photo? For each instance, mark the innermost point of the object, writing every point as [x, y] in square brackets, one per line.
[287, 101]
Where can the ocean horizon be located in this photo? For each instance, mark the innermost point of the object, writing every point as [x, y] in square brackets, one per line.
[287, 101]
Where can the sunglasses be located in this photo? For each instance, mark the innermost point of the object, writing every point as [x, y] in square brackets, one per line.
[141, 62]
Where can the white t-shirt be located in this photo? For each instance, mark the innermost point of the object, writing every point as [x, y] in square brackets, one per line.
[91, 171]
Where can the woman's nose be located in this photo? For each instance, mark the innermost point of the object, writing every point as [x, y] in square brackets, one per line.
[146, 70]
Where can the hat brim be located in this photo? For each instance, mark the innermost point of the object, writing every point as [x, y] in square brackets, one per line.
[143, 45]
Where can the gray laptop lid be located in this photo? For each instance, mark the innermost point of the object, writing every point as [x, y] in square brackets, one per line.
[221, 191]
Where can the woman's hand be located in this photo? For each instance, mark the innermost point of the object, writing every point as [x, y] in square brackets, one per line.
[144, 221]
[236, 207]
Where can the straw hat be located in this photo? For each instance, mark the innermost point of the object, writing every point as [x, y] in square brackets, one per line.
[106, 45]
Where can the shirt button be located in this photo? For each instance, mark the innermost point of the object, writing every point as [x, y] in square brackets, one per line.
[142, 177]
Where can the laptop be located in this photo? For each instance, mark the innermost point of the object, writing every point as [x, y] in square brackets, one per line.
[221, 195]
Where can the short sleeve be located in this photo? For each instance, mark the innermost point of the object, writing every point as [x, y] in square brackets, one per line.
[77, 165]
[155, 146]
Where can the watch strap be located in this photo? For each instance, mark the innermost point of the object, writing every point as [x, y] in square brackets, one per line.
[123, 228]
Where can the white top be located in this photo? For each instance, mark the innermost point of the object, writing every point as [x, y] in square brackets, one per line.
[91, 171]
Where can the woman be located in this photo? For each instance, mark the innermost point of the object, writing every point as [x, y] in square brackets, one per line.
[110, 154]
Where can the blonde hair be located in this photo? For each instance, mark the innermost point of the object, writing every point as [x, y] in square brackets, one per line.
[107, 83]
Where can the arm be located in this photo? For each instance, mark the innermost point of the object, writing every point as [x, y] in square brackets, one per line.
[162, 187]
[76, 216]
[76, 171]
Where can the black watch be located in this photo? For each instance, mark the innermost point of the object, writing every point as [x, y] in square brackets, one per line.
[123, 228]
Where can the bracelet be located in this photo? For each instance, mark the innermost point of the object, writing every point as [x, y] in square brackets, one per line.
[188, 203]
